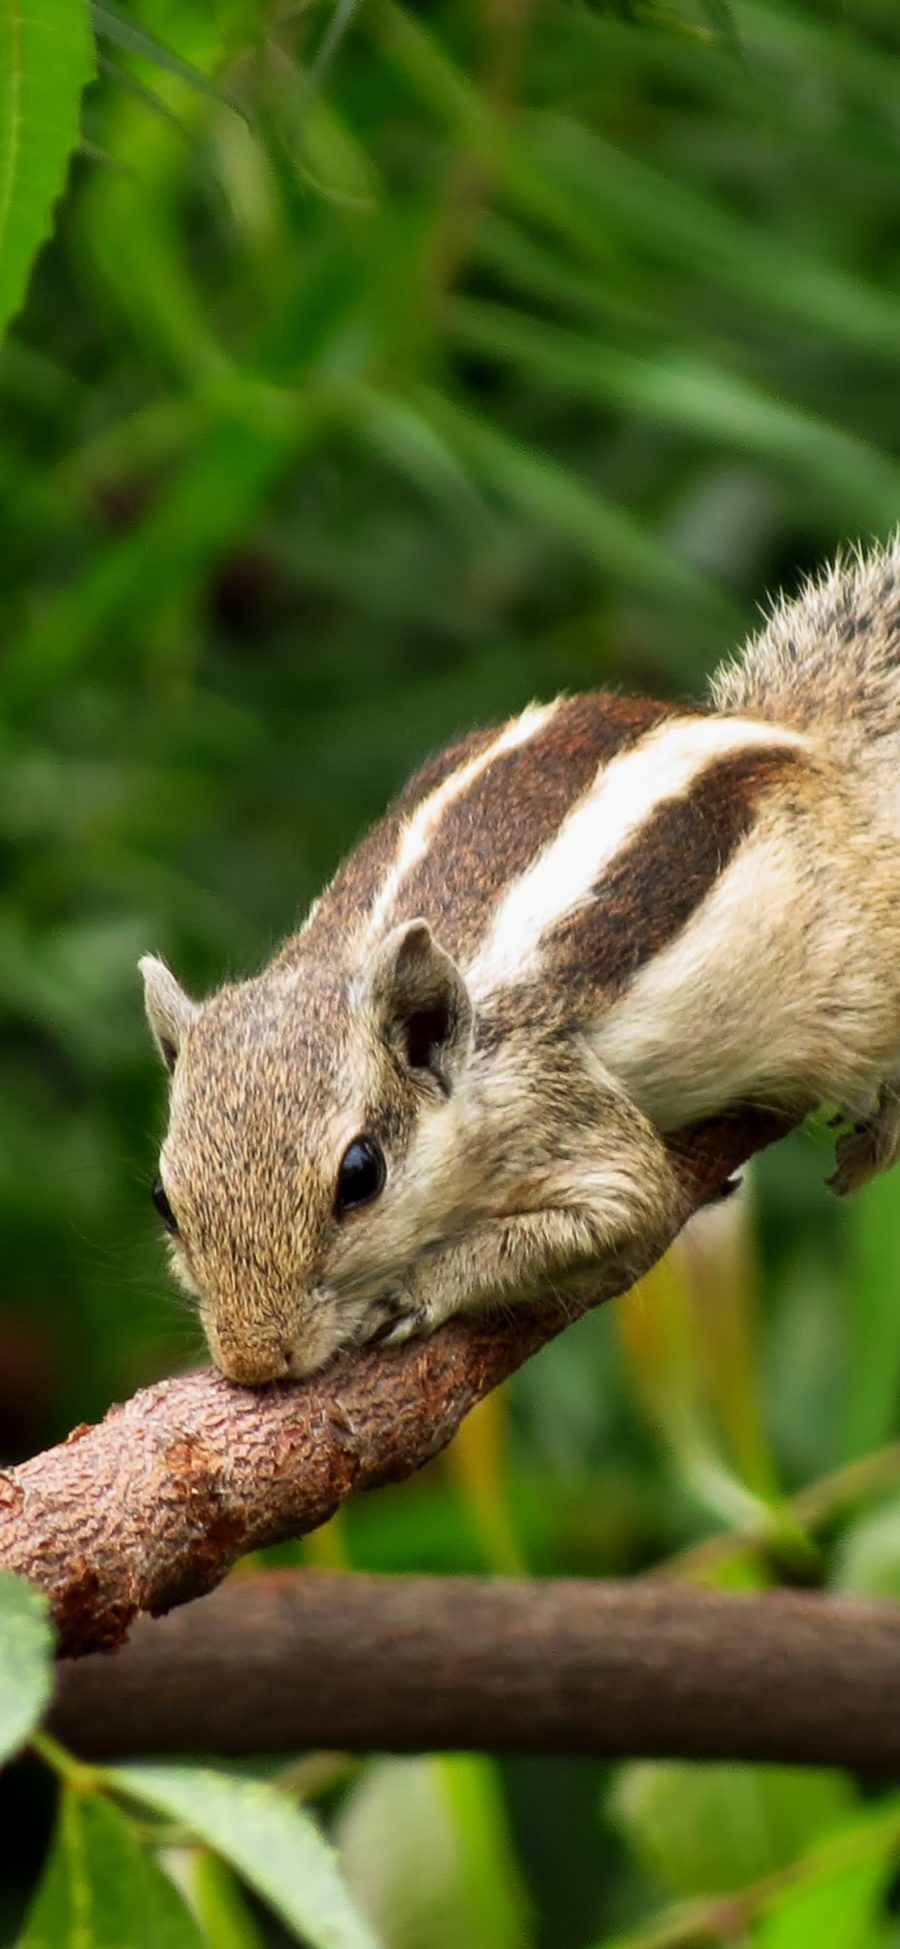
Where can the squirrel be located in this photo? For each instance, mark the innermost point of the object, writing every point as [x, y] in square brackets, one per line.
[571, 935]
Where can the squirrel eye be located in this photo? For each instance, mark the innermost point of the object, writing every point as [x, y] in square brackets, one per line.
[163, 1206]
[361, 1175]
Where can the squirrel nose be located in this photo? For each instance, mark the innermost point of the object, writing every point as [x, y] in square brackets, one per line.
[252, 1365]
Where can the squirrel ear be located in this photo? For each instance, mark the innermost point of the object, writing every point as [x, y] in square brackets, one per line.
[169, 1009]
[422, 1002]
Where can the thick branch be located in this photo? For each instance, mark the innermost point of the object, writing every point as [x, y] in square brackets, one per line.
[298, 1659]
[152, 1506]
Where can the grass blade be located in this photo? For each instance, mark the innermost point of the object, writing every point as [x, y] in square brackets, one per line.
[46, 61]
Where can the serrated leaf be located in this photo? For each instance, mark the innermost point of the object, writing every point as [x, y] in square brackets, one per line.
[274, 1846]
[46, 60]
[26, 1659]
[102, 1890]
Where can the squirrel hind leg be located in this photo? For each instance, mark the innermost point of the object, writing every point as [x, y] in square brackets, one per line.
[871, 1146]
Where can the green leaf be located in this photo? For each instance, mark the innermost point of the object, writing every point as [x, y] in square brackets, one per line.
[230, 469]
[873, 1363]
[535, 485]
[221, 1905]
[695, 396]
[678, 219]
[579, 184]
[46, 60]
[102, 1890]
[831, 1893]
[26, 1659]
[840, 1912]
[337, 165]
[275, 1846]
[687, 1383]
[867, 1560]
[111, 26]
[341, 17]
[407, 440]
[707, 1830]
[123, 78]
[427, 1850]
[721, 19]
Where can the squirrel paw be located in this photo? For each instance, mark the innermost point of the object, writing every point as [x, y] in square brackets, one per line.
[402, 1320]
[854, 1160]
[868, 1147]
[410, 1326]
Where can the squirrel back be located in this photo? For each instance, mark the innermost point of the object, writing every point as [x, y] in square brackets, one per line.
[827, 663]
[596, 923]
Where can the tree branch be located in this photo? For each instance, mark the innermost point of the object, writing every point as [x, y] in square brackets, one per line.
[152, 1506]
[289, 1660]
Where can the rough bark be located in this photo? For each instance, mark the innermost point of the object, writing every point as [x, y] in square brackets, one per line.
[290, 1660]
[152, 1506]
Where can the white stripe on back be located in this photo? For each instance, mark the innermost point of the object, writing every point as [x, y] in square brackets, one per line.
[623, 795]
[417, 833]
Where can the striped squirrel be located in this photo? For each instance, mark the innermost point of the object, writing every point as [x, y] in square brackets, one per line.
[601, 921]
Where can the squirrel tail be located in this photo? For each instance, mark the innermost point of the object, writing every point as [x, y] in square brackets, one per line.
[828, 664]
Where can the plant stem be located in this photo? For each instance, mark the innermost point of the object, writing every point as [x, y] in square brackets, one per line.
[721, 1917]
[809, 1510]
[74, 1772]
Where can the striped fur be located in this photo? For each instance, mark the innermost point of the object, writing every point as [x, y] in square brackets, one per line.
[481, 840]
[628, 801]
[469, 821]
[658, 880]
[596, 922]
[336, 915]
[516, 847]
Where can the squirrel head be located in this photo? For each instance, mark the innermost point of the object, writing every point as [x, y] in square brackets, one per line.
[312, 1144]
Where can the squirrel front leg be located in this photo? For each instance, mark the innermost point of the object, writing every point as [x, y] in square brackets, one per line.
[610, 1186]
[871, 1144]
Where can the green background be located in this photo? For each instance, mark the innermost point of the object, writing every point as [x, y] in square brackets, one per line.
[464, 354]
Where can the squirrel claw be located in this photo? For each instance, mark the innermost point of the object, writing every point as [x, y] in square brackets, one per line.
[401, 1322]
[856, 1158]
[868, 1147]
[406, 1327]
[400, 1330]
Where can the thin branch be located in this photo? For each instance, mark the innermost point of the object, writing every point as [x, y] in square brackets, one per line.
[727, 1918]
[811, 1509]
[284, 1661]
[152, 1506]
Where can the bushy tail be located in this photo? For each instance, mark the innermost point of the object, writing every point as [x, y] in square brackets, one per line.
[828, 663]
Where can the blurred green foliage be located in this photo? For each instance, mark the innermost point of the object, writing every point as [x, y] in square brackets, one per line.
[390, 366]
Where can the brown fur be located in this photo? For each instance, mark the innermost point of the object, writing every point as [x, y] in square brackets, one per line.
[660, 880]
[743, 943]
[829, 663]
[358, 878]
[488, 835]
[491, 834]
